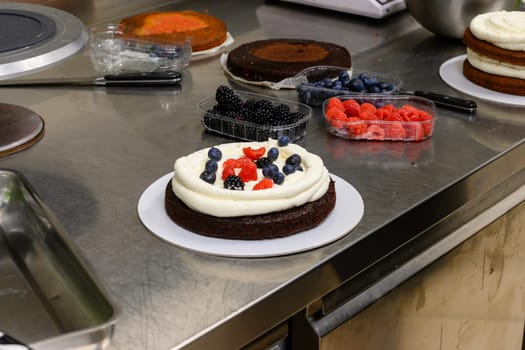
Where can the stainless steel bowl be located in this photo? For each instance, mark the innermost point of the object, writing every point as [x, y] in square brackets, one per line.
[451, 17]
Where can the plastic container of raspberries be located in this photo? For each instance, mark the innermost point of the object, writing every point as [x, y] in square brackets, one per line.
[111, 53]
[380, 117]
[316, 84]
[253, 117]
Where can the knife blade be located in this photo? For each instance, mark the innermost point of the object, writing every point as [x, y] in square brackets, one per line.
[164, 78]
[445, 101]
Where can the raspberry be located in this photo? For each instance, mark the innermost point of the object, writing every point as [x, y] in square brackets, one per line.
[334, 102]
[248, 172]
[368, 107]
[227, 171]
[375, 133]
[356, 126]
[352, 108]
[254, 154]
[263, 184]
[397, 131]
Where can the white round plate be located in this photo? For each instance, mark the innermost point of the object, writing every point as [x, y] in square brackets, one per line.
[452, 73]
[197, 55]
[346, 215]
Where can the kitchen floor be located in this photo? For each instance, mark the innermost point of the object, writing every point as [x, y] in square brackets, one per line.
[471, 299]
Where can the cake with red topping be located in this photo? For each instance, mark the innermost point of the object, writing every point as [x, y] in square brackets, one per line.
[250, 190]
[496, 51]
[204, 30]
[277, 59]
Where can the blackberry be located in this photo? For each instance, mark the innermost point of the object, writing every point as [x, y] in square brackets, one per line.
[233, 182]
[222, 93]
[262, 116]
[251, 105]
[281, 111]
[289, 119]
[263, 162]
[231, 103]
[265, 104]
[217, 110]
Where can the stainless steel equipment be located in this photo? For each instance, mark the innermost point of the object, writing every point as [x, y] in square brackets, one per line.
[451, 17]
[368, 8]
[50, 299]
[34, 37]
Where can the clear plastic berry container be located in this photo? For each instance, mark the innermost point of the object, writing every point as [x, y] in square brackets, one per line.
[381, 117]
[240, 126]
[111, 53]
[316, 84]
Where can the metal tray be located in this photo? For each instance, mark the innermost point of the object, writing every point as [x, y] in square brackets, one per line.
[49, 298]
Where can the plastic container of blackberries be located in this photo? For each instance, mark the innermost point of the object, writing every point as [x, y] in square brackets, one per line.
[403, 117]
[316, 84]
[111, 52]
[238, 124]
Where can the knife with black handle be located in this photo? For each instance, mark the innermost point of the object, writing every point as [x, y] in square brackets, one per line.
[445, 101]
[163, 78]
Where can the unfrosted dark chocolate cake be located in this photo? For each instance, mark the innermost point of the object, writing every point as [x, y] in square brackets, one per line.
[276, 59]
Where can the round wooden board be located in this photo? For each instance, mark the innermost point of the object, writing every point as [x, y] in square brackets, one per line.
[20, 128]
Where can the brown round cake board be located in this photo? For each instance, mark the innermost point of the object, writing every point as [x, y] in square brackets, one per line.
[20, 128]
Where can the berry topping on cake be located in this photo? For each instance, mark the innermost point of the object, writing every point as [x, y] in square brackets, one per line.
[233, 182]
[208, 176]
[254, 154]
[263, 184]
[215, 153]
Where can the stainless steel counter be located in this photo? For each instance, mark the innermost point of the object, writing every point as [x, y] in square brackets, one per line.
[103, 147]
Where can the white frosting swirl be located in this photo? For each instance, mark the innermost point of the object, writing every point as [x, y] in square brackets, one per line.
[505, 29]
[298, 188]
[492, 66]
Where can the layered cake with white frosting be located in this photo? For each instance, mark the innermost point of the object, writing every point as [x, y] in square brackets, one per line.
[496, 51]
[250, 190]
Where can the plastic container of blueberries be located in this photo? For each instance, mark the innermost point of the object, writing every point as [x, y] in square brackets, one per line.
[315, 95]
[383, 130]
[248, 131]
[112, 53]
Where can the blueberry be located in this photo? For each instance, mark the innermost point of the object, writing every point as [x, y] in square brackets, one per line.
[270, 170]
[211, 166]
[338, 86]
[357, 84]
[344, 77]
[278, 178]
[328, 83]
[215, 153]
[283, 141]
[294, 160]
[299, 168]
[370, 81]
[288, 169]
[273, 153]
[374, 89]
[208, 176]
[386, 86]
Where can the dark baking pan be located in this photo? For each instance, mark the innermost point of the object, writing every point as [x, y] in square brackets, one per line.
[49, 296]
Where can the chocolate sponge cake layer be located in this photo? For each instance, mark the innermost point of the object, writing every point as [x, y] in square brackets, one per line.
[272, 225]
[277, 59]
[507, 85]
